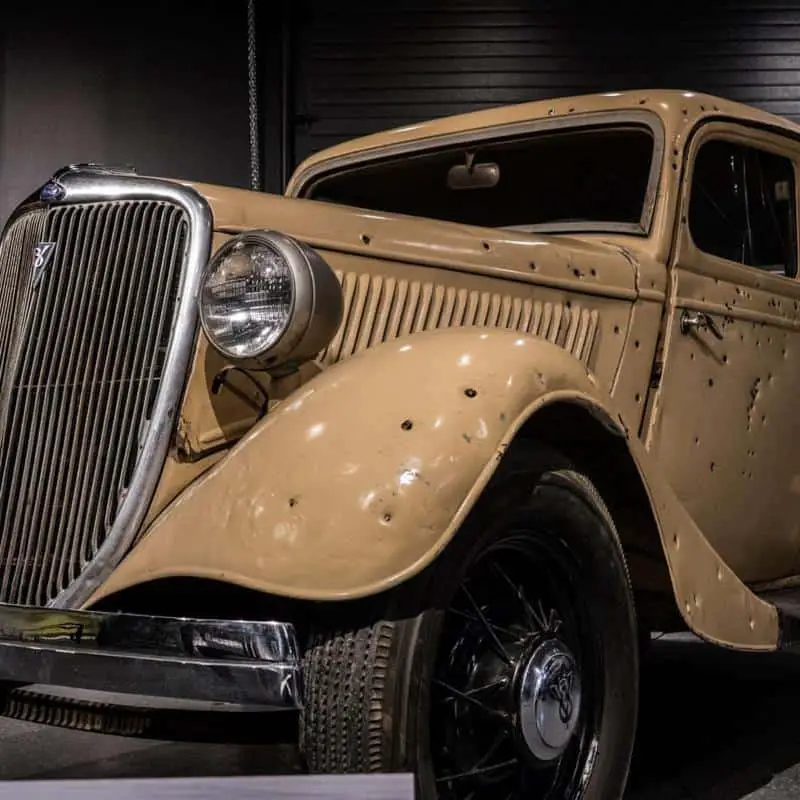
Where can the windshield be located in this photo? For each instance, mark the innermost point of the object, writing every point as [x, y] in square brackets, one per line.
[574, 178]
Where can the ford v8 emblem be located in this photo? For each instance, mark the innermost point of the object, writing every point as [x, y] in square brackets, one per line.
[42, 256]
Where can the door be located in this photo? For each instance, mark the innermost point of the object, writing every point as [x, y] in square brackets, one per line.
[724, 425]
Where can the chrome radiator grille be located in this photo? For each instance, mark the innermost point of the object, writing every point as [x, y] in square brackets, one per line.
[83, 344]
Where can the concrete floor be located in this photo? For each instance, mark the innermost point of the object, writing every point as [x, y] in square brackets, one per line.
[714, 725]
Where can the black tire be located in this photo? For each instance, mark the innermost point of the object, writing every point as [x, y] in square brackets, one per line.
[374, 689]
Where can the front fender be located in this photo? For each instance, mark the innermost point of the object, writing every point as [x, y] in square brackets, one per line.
[361, 477]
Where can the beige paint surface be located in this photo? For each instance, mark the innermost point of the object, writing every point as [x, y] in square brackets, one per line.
[331, 496]
[336, 496]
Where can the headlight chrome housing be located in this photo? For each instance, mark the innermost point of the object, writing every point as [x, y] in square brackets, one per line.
[269, 302]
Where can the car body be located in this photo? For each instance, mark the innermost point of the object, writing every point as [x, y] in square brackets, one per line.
[642, 330]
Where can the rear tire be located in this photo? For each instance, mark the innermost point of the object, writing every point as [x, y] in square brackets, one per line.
[439, 678]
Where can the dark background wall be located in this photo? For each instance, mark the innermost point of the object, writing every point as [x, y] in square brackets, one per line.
[164, 86]
[387, 64]
[161, 87]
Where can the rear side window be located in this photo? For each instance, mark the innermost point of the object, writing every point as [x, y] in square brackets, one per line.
[742, 206]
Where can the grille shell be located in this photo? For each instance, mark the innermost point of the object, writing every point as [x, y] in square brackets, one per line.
[89, 347]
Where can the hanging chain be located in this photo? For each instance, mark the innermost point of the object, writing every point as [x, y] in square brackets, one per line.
[252, 89]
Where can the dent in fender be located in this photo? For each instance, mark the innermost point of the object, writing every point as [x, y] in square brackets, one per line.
[359, 479]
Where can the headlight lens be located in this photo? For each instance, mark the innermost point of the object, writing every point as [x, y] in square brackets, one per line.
[247, 299]
[268, 300]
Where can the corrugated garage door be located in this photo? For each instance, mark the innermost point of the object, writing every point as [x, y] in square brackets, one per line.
[358, 70]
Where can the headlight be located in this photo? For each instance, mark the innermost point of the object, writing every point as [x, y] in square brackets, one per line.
[269, 300]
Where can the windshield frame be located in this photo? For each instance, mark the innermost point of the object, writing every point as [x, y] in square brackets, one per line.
[309, 178]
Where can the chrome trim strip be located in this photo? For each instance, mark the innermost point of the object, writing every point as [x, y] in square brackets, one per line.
[87, 184]
[240, 662]
[303, 182]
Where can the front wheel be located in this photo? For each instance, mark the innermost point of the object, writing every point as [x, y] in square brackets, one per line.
[514, 675]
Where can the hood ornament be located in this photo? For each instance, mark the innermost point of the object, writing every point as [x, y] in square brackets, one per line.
[51, 192]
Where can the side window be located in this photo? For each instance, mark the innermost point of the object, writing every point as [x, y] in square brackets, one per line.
[742, 206]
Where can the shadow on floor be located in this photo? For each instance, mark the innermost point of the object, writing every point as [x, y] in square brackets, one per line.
[715, 724]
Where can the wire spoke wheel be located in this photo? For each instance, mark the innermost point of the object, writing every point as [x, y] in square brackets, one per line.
[507, 671]
[511, 713]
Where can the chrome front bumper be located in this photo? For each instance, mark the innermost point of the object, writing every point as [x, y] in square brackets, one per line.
[218, 661]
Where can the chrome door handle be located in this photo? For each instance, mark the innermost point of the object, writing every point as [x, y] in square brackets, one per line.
[699, 320]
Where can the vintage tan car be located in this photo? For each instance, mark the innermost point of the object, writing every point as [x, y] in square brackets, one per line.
[467, 414]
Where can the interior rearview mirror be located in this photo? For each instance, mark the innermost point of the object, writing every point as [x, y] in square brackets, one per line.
[473, 176]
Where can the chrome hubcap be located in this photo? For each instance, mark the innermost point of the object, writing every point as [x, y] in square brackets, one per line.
[549, 700]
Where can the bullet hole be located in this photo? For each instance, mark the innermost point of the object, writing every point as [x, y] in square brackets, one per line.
[691, 356]
[720, 574]
[710, 381]
[616, 329]
[755, 390]
[387, 517]
[571, 110]
[676, 541]
[683, 220]
[697, 440]
[365, 239]
[533, 266]
[685, 111]
[764, 419]
[292, 502]
[467, 438]
[702, 108]
[712, 466]
[486, 246]
[568, 304]
[716, 108]
[674, 165]
[471, 392]
[576, 272]
[637, 397]
[593, 272]
[636, 344]
[407, 425]
[688, 607]
[725, 359]
[674, 151]
[642, 101]
[752, 624]
[551, 111]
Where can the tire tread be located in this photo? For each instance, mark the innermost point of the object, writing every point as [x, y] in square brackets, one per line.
[345, 697]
